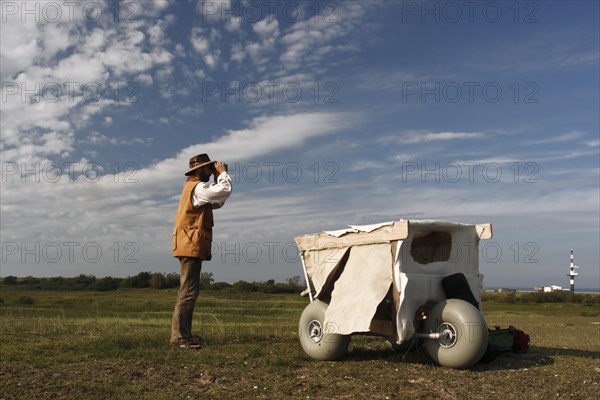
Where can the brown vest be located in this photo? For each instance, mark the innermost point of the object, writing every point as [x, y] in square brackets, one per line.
[192, 235]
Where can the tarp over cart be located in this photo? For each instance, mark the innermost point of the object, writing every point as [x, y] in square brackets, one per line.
[357, 268]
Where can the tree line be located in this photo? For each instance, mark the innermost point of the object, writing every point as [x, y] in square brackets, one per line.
[559, 296]
[150, 280]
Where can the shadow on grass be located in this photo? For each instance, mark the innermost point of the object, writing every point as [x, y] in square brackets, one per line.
[536, 357]
[405, 354]
[566, 352]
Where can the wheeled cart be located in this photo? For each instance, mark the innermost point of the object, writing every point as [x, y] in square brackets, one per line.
[402, 280]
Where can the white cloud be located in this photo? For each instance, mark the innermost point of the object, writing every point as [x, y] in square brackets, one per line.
[593, 143]
[266, 28]
[237, 52]
[144, 79]
[98, 138]
[233, 24]
[160, 4]
[259, 51]
[56, 38]
[180, 50]
[203, 45]
[124, 54]
[80, 68]
[165, 73]
[199, 42]
[100, 55]
[212, 60]
[310, 40]
[565, 137]
[276, 49]
[136, 204]
[366, 165]
[108, 120]
[405, 157]
[561, 155]
[196, 109]
[412, 137]
[18, 47]
[304, 40]
[265, 135]
[543, 50]
[156, 33]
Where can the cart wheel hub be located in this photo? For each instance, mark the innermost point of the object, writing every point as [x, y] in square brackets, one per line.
[315, 331]
[448, 335]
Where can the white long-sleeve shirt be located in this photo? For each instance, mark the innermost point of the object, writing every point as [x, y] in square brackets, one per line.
[214, 193]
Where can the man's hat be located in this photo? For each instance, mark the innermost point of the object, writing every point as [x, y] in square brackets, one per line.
[198, 161]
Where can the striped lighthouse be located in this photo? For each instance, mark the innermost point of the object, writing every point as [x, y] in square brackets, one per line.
[572, 274]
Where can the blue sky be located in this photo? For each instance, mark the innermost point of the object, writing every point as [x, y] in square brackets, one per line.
[328, 113]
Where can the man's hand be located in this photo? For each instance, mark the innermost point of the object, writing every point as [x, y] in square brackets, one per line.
[219, 168]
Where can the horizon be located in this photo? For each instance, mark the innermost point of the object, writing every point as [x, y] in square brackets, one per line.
[486, 287]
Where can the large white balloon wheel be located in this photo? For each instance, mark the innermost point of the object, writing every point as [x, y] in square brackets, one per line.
[317, 341]
[455, 334]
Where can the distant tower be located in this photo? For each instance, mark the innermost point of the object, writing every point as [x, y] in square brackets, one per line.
[572, 274]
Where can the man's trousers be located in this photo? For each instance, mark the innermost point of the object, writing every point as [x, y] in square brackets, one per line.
[189, 288]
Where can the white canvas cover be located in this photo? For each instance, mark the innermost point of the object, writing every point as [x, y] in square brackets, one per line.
[387, 233]
[364, 283]
[420, 283]
[321, 264]
[374, 258]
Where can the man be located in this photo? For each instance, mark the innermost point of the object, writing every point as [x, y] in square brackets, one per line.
[192, 238]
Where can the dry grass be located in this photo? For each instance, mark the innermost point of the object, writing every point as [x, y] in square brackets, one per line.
[113, 345]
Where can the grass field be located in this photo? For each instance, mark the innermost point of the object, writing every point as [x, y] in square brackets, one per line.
[113, 345]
